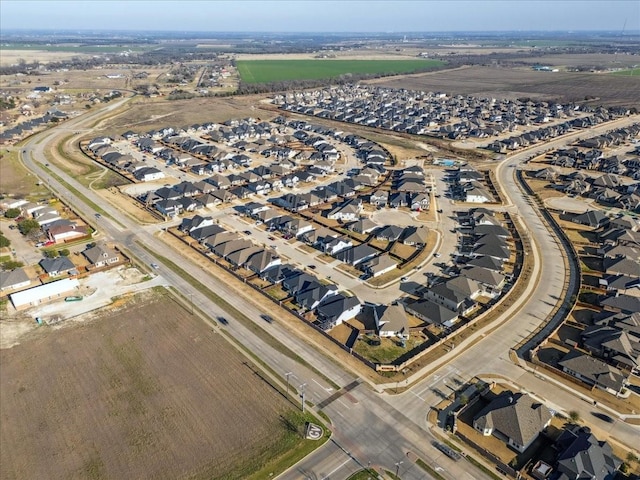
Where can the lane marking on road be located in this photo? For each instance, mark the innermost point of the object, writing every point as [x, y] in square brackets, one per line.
[328, 475]
[437, 378]
[343, 404]
[327, 389]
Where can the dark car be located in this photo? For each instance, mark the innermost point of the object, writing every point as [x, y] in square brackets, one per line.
[223, 320]
[247, 232]
[313, 267]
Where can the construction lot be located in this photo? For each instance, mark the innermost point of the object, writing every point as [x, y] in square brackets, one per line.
[143, 390]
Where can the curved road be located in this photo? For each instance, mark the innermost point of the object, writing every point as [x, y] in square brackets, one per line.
[367, 427]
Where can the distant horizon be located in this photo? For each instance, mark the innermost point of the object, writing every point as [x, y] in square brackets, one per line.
[52, 33]
[310, 32]
[322, 16]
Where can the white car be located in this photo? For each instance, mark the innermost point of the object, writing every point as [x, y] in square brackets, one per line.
[404, 279]
[155, 266]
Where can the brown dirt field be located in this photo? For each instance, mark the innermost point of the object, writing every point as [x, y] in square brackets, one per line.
[128, 205]
[149, 113]
[513, 83]
[137, 393]
[604, 60]
[10, 57]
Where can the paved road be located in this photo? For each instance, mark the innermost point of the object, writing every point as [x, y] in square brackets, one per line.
[491, 355]
[367, 426]
[367, 433]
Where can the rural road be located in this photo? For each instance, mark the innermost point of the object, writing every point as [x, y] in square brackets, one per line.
[367, 426]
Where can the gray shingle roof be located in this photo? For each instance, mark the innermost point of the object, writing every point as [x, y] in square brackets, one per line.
[517, 416]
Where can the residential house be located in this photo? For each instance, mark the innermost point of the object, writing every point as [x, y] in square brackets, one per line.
[389, 233]
[240, 256]
[515, 418]
[617, 346]
[362, 226]
[379, 198]
[55, 267]
[592, 218]
[217, 239]
[391, 321]
[13, 279]
[416, 236]
[593, 372]
[296, 283]
[491, 281]
[277, 273]
[332, 245]
[264, 260]
[346, 212]
[582, 456]
[356, 255]
[378, 265]
[622, 303]
[197, 221]
[336, 309]
[314, 293]
[224, 250]
[66, 232]
[148, 174]
[433, 313]
[101, 256]
[169, 208]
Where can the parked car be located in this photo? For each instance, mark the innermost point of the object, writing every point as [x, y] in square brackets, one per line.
[436, 254]
[404, 279]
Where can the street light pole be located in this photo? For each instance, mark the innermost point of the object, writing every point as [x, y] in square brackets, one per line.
[288, 374]
[302, 395]
[398, 467]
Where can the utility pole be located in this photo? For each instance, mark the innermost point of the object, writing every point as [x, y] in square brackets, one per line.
[288, 374]
[302, 395]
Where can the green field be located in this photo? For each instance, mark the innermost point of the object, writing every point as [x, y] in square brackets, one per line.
[627, 73]
[265, 71]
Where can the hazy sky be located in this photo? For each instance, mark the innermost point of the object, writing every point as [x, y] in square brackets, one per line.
[322, 15]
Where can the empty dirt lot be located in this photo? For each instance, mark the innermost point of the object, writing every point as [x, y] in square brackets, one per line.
[516, 83]
[145, 391]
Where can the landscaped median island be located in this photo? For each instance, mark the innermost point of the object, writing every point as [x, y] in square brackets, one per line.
[267, 71]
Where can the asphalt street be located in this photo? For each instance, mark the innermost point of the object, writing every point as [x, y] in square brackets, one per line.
[367, 426]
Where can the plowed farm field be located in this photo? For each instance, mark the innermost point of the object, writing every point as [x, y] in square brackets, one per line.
[602, 89]
[144, 391]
